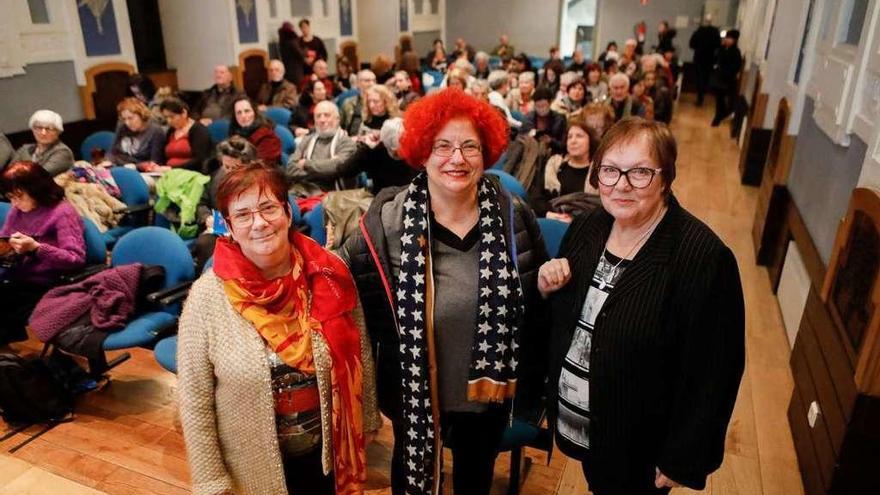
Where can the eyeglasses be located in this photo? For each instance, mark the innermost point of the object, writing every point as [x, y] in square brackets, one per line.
[245, 218]
[638, 177]
[43, 128]
[445, 149]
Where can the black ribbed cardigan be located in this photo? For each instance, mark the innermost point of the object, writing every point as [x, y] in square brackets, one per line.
[668, 347]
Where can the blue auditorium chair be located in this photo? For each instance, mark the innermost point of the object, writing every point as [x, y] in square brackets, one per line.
[348, 93]
[553, 232]
[4, 210]
[135, 193]
[279, 115]
[100, 139]
[315, 220]
[152, 246]
[165, 353]
[219, 130]
[288, 144]
[510, 183]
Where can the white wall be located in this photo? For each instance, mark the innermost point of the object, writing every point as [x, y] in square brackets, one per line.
[379, 28]
[532, 25]
[785, 40]
[617, 19]
[198, 36]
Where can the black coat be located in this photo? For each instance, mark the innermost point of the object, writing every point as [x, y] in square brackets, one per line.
[376, 288]
[705, 42]
[728, 62]
[556, 129]
[668, 347]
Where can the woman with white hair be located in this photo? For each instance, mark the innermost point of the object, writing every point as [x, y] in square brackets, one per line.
[520, 97]
[48, 151]
[481, 65]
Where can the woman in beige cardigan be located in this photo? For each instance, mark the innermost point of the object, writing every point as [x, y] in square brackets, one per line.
[276, 383]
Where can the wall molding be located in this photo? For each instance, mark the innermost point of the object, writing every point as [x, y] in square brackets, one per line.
[90, 87]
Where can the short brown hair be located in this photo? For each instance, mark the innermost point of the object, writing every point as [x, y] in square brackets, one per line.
[582, 125]
[269, 180]
[134, 106]
[661, 145]
[33, 179]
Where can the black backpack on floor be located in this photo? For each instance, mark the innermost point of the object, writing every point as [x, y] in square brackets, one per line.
[30, 393]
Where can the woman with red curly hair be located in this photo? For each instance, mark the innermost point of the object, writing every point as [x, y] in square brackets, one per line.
[446, 270]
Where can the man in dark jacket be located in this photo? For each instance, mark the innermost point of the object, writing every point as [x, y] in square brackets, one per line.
[291, 54]
[544, 124]
[724, 79]
[216, 101]
[704, 42]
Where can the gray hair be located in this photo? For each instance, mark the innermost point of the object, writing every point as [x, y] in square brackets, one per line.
[327, 105]
[464, 65]
[497, 78]
[481, 55]
[47, 118]
[568, 77]
[618, 76]
[482, 83]
[390, 133]
[527, 76]
[365, 72]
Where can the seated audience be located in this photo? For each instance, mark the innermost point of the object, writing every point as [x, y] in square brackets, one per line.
[578, 64]
[276, 390]
[141, 87]
[622, 102]
[499, 84]
[318, 162]
[6, 151]
[320, 72]
[187, 142]
[232, 154]
[48, 151]
[412, 64]
[638, 94]
[138, 139]
[383, 67]
[544, 124]
[277, 91]
[382, 164]
[291, 53]
[463, 50]
[573, 99]
[403, 89]
[611, 67]
[660, 95]
[553, 68]
[457, 78]
[564, 188]
[44, 240]
[481, 65]
[599, 117]
[257, 129]
[352, 108]
[303, 120]
[610, 52]
[596, 86]
[479, 89]
[344, 79]
[504, 49]
[381, 106]
[520, 97]
[216, 101]
[436, 58]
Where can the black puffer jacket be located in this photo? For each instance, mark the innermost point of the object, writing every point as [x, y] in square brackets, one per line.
[367, 255]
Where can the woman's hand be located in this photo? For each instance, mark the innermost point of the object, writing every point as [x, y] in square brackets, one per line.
[23, 243]
[661, 481]
[209, 223]
[553, 275]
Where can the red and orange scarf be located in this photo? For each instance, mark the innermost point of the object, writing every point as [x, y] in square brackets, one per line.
[318, 294]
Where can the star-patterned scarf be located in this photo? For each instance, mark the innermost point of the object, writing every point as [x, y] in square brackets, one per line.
[492, 374]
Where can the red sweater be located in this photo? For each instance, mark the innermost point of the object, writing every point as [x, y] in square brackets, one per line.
[268, 145]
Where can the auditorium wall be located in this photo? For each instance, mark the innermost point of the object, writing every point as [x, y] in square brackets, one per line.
[532, 26]
[48, 85]
[822, 178]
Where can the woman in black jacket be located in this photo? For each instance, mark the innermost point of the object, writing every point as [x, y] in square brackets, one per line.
[446, 270]
[647, 346]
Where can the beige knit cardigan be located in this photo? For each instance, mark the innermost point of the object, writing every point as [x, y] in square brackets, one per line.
[226, 405]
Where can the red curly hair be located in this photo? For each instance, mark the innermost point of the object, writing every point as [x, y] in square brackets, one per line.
[424, 118]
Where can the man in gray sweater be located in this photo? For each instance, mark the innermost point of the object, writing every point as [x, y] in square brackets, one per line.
[323, 157]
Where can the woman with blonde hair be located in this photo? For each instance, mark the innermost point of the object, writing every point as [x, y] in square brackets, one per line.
[381, 106]
[138, 139]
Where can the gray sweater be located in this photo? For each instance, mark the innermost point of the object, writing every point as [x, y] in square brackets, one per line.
[323, 168]
[455, 309]
[56, 159]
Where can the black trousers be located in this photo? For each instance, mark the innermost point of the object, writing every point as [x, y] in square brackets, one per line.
[473, 438]
[204, 249]
[305, 475]
[703, 73]
[608, 480]
[17, 302]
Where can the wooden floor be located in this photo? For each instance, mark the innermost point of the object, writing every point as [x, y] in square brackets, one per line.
[126, 438]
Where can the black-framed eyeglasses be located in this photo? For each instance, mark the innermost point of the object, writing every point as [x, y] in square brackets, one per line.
[445, 149]
[245, 218]
[638, 177]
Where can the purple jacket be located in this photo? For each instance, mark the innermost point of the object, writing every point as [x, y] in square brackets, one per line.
[108, 297]
[59, 230]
